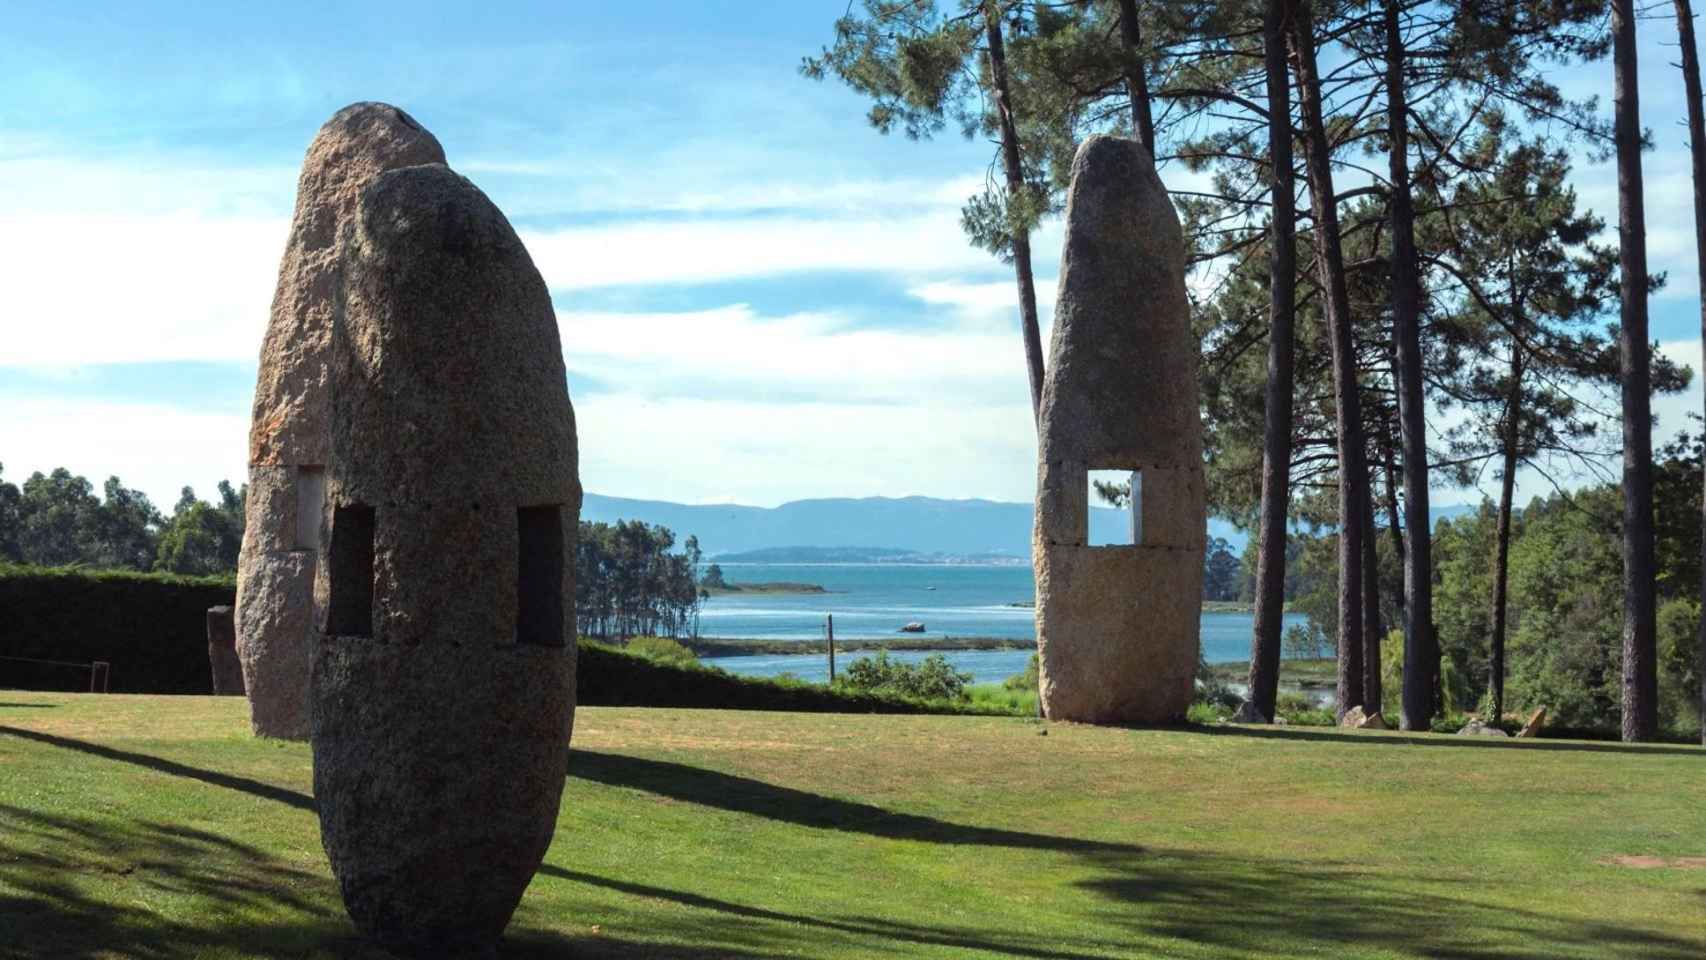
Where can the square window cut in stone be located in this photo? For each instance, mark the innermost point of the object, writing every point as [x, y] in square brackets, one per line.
[539, 576]
[1114, 508]
[310, 506]
[349, 609]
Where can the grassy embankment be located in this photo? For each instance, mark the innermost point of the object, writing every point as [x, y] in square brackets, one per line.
[156, 827]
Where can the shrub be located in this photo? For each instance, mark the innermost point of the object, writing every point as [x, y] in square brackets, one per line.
[1301, 711]
[661, 650]
[931, 679]
[1027, 680]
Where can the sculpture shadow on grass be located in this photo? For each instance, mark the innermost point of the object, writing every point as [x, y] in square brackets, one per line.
[738, 794]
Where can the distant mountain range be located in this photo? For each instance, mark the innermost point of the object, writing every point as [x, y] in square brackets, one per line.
[937, 529]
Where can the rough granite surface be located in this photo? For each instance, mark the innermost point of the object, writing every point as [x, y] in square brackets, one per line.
[289, 431]
[440, 743]
[222, 652]
[1118, 626]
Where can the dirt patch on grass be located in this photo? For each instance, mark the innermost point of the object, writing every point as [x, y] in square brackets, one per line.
[1644, 862]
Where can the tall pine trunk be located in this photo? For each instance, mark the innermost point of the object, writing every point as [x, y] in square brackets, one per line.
[1421, 656]
[1330, 260]
[1276, 429]
[1367, 665]
[1502, 550]
[1015, 173]
[1697, 151]
[1640, 668]
[1137, 85]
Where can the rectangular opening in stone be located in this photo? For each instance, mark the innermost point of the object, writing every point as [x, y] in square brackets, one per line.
[310, 506]
[1115, 508]
[539, 579]
[349, 610]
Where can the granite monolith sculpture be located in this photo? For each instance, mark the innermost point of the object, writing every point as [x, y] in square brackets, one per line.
[1117, 625]
[444, 662]
[222, 652]
[288, 437]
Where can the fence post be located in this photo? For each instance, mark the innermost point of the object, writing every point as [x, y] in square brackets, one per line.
[831, 618]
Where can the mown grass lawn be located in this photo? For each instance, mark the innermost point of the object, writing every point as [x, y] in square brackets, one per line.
[156, 827]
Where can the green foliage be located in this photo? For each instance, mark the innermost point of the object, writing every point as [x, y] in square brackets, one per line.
[1000, 698]
[713, 577]
[931, 679]
[1299, 710]
[152, 628]
[628, 583]
[1027, 680]
[201, 539]
[1302, 642]
[1219, 571]
[661, 650]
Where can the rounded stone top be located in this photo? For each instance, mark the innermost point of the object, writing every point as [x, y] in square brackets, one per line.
[1120, 389]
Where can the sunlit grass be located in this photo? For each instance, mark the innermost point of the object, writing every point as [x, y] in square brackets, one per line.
[156, 827]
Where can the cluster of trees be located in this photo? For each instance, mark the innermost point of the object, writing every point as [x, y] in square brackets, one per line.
[628, 583]
[1404, 289]
[56, 519]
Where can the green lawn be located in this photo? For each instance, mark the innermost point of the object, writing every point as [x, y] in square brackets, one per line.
[156, 827]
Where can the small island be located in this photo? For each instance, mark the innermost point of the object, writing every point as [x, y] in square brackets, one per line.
[712, 584]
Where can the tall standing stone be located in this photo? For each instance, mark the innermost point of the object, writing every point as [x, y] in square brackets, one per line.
[1117, 626]
[222, 652]
[288, 438]
[443, 691]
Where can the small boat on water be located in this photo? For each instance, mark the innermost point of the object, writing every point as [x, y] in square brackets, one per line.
[913, 627]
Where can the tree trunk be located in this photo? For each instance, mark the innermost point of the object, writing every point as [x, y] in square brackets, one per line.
[1016, 188]
[1329, 256]
[1136, 84]
[1640, 673]
[1502, 552]
[1369, 659]
[1697, 150]
[1421, 658]
[1276, 435]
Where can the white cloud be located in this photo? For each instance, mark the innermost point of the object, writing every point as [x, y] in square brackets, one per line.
[87, 289]
[702, 251]
[156, 449]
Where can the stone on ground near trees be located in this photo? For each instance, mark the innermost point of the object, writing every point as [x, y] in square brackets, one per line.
[288, 435]
[1356, 719]
[1248, 712]
[1477, 728]
[444, 658]
[1117, 626]
[1532, 728]
[222, 652]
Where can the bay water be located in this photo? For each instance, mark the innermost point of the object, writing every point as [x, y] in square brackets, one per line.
[874, 600]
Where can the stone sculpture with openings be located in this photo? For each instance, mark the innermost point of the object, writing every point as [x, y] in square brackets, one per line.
[288, 438]
[1117, 626]
[443, 670]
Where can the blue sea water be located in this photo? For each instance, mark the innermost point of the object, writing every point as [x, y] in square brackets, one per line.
[874, 600]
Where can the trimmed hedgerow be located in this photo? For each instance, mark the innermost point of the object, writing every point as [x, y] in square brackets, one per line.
[152, 628]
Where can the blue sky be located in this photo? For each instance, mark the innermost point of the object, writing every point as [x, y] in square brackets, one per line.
[761, 299]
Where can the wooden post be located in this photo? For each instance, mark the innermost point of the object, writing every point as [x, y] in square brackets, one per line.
[830, 618]
[98, 677]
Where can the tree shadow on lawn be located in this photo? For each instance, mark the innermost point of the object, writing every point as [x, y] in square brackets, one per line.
[257, 788]
[28, 706]
[1396, 739]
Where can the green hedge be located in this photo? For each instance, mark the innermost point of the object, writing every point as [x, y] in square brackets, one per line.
[152, 628]
[608, 677]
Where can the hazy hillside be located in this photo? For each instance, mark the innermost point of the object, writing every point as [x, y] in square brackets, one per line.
[918, 524]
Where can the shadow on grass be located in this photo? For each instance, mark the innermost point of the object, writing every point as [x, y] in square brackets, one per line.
[28, 706]
[1328, 734]
[755, 797]
[257, 788]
